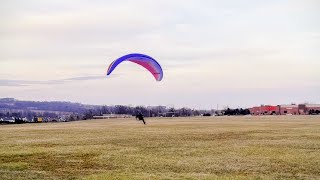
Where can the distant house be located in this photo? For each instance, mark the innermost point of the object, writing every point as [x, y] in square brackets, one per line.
[25, 119]
[169, 114]
[9, 119]
[37, 119]
[108, 116]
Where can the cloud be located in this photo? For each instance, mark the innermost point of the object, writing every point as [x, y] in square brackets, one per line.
[5, 82]
[10, 82]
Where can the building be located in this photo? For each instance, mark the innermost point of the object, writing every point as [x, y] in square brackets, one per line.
[315, 107]
[264, 110]
[108, 116]
[37, 119]
[8, 120]
[290, 109]
[308, 108]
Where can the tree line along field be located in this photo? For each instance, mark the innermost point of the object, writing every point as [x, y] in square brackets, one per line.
[264, 147]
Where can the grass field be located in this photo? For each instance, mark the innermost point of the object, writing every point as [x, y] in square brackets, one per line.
[274, 147]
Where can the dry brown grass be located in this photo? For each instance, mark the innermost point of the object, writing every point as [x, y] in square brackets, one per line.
[284, 147]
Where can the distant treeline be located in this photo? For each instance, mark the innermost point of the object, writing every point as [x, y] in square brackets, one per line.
[12, 104]
[101, 110]
[234, 112]
[10, 107]
[155, 111]
[314, 112]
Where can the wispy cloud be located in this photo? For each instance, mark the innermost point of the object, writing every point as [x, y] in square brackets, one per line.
[11, 82]
[6, 82]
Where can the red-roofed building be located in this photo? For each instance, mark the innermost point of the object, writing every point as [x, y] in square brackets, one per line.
[264, 110]
[291, 109]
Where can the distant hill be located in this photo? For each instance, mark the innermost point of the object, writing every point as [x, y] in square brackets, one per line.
[60, 106]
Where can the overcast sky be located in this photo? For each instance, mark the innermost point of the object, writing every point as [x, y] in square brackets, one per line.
[231, 53]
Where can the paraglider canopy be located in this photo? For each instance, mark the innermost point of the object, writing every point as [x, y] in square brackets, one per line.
[143, 60]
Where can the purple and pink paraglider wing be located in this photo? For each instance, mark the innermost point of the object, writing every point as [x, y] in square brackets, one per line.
[143, 60]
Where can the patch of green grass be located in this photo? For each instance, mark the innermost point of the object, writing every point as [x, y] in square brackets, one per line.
[273, 147]
[14, 166]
